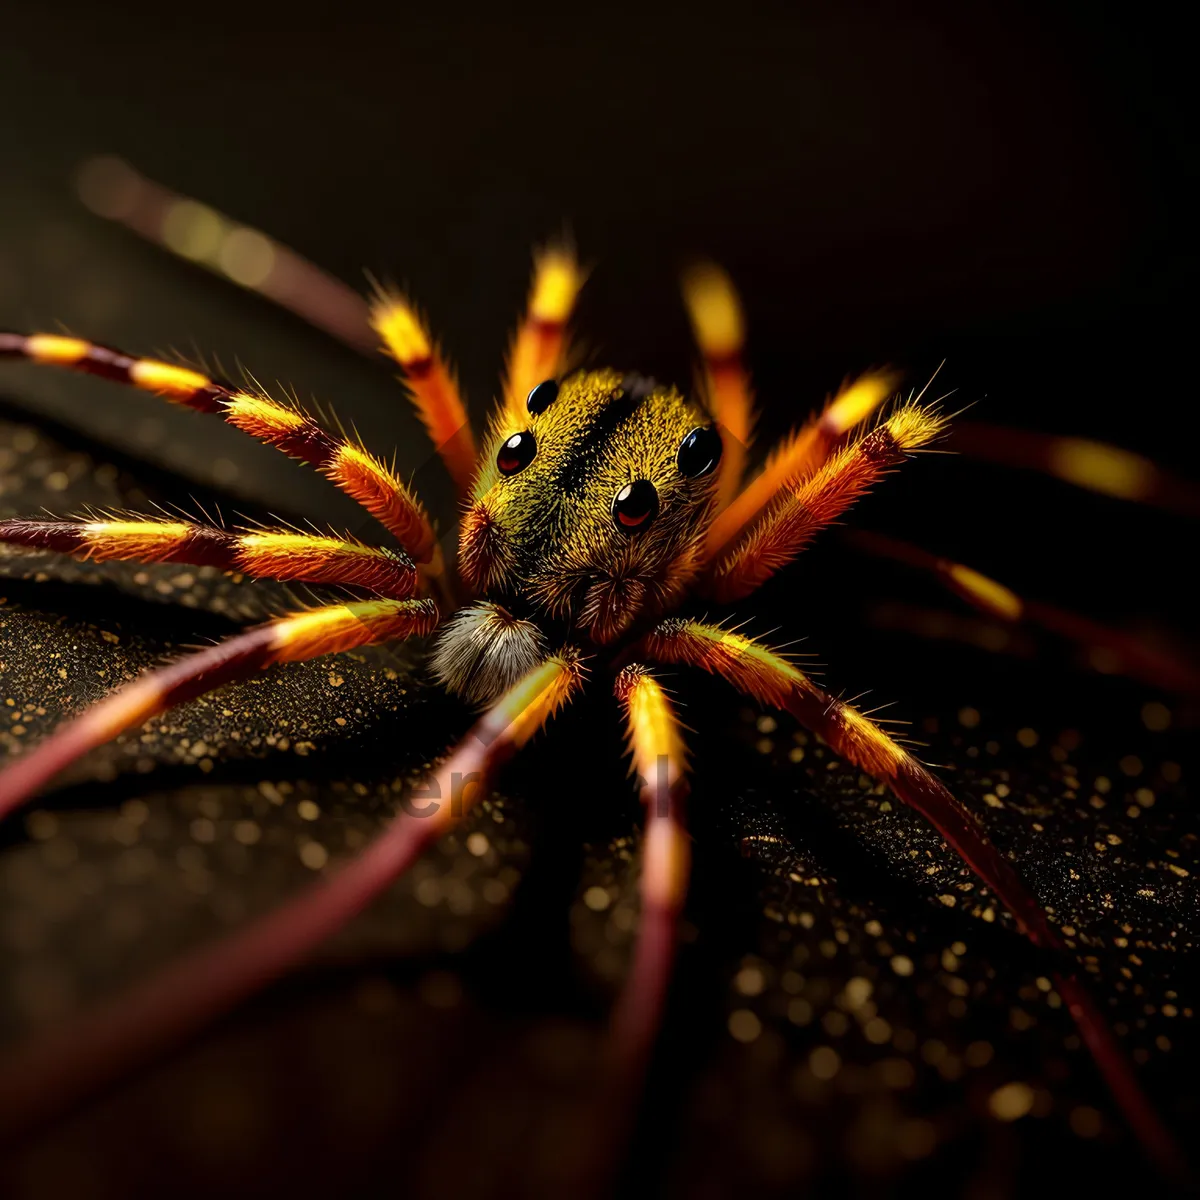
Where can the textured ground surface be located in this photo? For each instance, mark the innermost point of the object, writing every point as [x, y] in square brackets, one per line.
[853, 1012]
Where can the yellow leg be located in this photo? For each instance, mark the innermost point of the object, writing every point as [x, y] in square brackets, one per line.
[802, 508]
[799, 455]
[351, 467]
[539, 350]
[49, 1076]
[757, 671]
[302, 635]
[260, 553]
[659, 760]
[719, 329]
[432, 382]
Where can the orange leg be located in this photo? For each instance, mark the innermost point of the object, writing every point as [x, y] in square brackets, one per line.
[659, 761]
[352, 468]
[770, 679]
[293, 638]
[991, 597]
[802, 508]
[182, 226]
[255, 261]
[261, 553]
[720, 332]
[799, 455]
[540, 348]
[432, 382]
[1096, 466]
[52, 1075]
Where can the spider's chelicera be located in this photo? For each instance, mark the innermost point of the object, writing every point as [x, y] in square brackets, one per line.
[597, 504]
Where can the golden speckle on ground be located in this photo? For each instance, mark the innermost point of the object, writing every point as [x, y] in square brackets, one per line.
[1156, 717]
[313, 855]
[1027, 737]
[750, 981]
[799, 1012]
[902, 964]
[877, 1031]
[308, 810]
[597, 898]
[835, 1024]
[203, 830]
[744, 1025]
[979, 1054]
[41, 825]
[247, 832]
[1012, 1101]
[968, 718]
[857, 992]
[478, 844]
[1086, 1122]
[824, 1062]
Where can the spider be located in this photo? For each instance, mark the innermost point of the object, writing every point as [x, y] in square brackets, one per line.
[599, 506]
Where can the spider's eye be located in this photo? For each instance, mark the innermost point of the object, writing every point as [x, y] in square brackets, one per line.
[634, 506]
[541, 397]
[699, 452]
[517, 453]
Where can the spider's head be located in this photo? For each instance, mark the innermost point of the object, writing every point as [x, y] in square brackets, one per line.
[590, 505]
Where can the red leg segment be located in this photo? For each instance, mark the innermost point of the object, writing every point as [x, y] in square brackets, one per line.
[304, 635]
[51, 1075]
[264, 553]
[347, 464]
[659, 761]
[1131, 655]
[772, 680]
[802, 508]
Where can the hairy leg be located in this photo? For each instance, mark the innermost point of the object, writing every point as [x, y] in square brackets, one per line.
[540, 347]
[799, 455]
[1130, 654]
[719, 328]
[53, 1074]
[249, 258]
[771, 679]
[282, 554]
[659, 761]
[348, 465]
[431, 381]
[802, 508]
[185, 227]
[1095, 466]
[302, 635]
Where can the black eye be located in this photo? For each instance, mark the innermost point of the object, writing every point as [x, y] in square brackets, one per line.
[634, 506]
[541, 397]
[699, 452]
[517, 453]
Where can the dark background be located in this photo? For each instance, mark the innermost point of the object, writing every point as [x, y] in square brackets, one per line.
[1008, 187]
